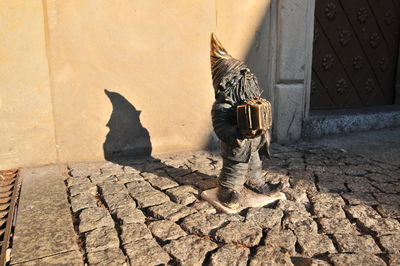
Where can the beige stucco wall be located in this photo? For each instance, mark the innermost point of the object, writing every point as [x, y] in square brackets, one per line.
[26, 121]
[152, 56]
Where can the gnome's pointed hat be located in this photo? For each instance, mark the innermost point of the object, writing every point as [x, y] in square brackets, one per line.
[222, 63]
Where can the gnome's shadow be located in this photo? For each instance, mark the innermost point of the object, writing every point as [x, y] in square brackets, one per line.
[128, 143]
[127, 137]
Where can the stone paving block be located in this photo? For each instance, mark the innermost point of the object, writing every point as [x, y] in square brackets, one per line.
[362, 187]
[114, 201]
[82, 188]
[128, 178]
[393, 259]
[230, 255]
[267, 255]
[355, 198]
[169, 210]
[332, 187]
[183, 194]
[301, 175]
[390, 199]
[299, 222]
[378, 177]
[389, 211]
[275, 177]
[312, 244]
[190, 250]
[128, 214]
[83, 201]
[83, 169]
[287, 206]
[100, 179]
[149, 198]
[203, 207]
[110, 170]
[264, 217]
[364, 214]
[306, 261]
[92, 218]
[161, 182]
[354, 170]
[72, 257]
[283, 240]
[296, 195]
[166, 230]
[239, 233]
[303, 185]
[383, 226]
[131, 170]
[326, 198]
[71, 181]
[112, 188]
[101, 239]
[387, 187]
[356, 243]
[133, 232]
[139, 186]
[328, 210]
[146, 252]
[176, 172]
[205, 224]
[112, 256]
[337, 226]
[355, 259]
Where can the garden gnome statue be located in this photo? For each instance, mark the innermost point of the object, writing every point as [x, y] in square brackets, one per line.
[241, 120]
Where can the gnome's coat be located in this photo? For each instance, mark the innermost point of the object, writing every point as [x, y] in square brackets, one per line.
[234, 84]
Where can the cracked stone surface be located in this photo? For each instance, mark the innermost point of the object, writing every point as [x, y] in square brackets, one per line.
[299, 221]
[205, 224]
[230, 255]
[170, 210]
[239, 233]
[341, 209]
[112, 256]
[115, 201]
[284, 240]
[356, 244]
[190, 250]
[133, 232]
[264, 217]
[183, 195]
[391, 243]
[92, 218]
[146, 252]
[267, 255]
[100, 239]
[128, 214]
[166, 230]
[313, 244]
[356, 259]
[337, 226]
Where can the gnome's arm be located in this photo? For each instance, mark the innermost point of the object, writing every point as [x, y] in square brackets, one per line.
[224, 124]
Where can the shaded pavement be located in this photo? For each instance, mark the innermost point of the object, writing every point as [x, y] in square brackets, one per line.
[342, 209]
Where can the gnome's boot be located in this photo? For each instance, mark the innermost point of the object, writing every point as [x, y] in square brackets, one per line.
[229, 197]
[256, 181]
[230, 183]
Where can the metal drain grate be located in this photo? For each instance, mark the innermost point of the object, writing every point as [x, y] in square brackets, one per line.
[9, 191]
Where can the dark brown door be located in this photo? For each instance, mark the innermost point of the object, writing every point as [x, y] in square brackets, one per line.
[355, 53]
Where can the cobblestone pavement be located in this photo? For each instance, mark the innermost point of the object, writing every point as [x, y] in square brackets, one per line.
[342, 209]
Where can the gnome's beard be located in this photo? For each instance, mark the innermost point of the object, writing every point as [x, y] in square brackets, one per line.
[240, 88]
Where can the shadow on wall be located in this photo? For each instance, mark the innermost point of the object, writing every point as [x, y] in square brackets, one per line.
[128, 140]
[127, 137]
